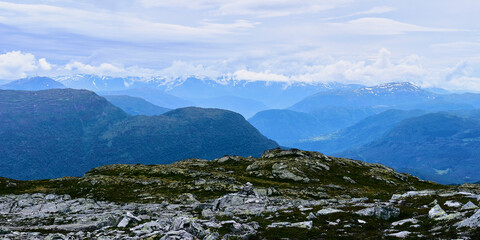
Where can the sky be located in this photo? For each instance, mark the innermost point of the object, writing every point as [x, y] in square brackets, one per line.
[432, 43]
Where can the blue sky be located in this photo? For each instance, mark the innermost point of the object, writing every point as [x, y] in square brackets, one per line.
[434, 43]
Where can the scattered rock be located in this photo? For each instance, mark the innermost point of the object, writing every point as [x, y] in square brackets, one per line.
[402, 234]
[452, 204]
[326, 211]
[380, 212]
[471, 222]
[124, 222]
[280, 170]
[307, 224]
[469, 206]
[401, 222]
[436, 212]
[350, 180]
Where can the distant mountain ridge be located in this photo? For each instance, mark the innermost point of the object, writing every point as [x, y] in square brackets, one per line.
[389, 94]
[152, 95]
[33, 84]
[441, 147]
[291, 127]
[65, 132]
[136, 105]
[272, 94]
[363, 132]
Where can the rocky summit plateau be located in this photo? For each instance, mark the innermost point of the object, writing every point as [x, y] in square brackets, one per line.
[284, 194]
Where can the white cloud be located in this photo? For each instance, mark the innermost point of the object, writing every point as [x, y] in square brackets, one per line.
[43, 19]
[381, 70]
[381, 26]
[181, 69]
[374, 10]
[260, 76]
[102, 69]
[377, 10]
[264, 8]
[465, 75]
[42, 62]
[15, 64]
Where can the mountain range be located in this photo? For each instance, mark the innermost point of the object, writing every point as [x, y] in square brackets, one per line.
[271, 94]
[65, 132]
[135, 105]
[441, 147]
[32, 84]
[342, 120]
[362, 132]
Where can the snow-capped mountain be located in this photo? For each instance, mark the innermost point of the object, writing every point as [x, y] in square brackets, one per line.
[389, 94]
[389, 88]
[32, 84]
[272, 94]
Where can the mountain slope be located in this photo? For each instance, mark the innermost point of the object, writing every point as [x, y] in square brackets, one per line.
[438, 146]
[135, 105]
[272, 94]
[185, 133]
[246, 107]
[389, 94]
[32, 84]
[53, 133]
[289, 128]
[155, 96]
[50, 133]
[283, 194]
[363, 132]
[286, 126]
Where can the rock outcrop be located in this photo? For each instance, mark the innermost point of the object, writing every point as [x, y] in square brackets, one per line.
[239, 198]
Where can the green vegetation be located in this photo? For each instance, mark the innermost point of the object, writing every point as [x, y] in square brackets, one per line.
[66, 132]
[322, 177]
[135, 105]
[439, 146]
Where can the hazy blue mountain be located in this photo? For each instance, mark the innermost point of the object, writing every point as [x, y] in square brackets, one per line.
[436, 105]
[244, 106]
[439, 146]
[389, 94]
[289, 127]
[272, 94]
[155, 96]
[185, 133]
[103, 83]
[438, 90]
[464, 98]
[331, 111]
[286, 126]
[363, 132]
[135, 105]
[32, 84]
[53, 133]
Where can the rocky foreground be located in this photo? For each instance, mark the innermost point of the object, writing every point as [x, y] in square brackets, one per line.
[288, 194]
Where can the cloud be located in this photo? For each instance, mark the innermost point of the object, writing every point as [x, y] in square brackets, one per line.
[102, 69]
[42, 62]
[181, 69]
[264, 8]
[15, 64]
[381, 26]
[41, 19]
[381, 70]
[374, 10]
[260, 76]
[465, 75]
